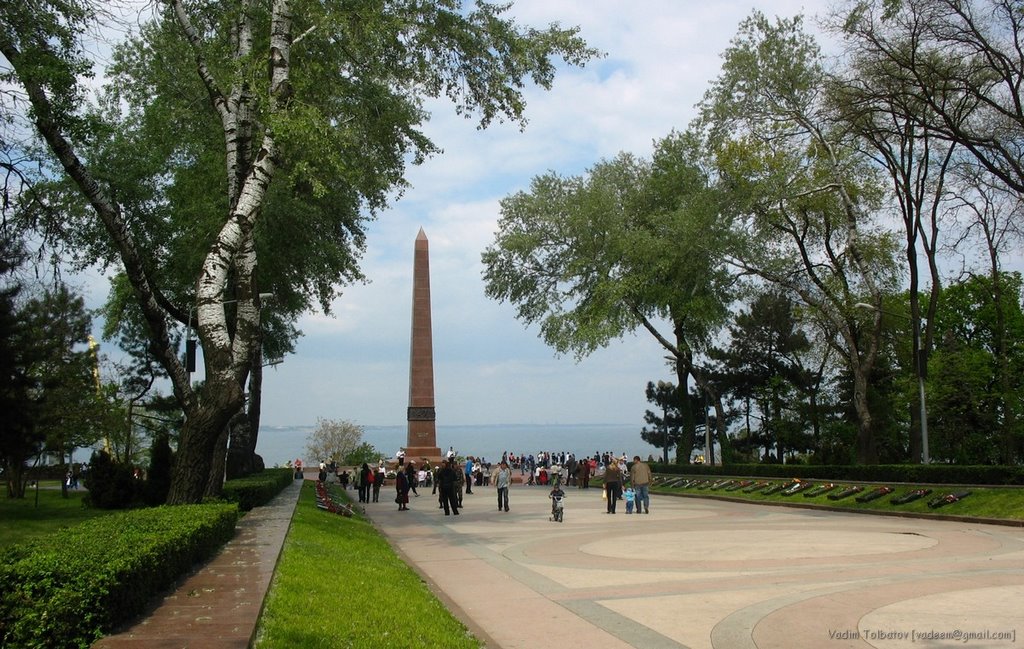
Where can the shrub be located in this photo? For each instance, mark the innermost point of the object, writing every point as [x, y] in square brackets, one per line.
[950, 474]
[111, 485]
[68, 589]
[257, 489]
[158, 478]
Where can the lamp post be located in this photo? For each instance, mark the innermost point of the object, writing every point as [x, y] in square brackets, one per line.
[919, 369]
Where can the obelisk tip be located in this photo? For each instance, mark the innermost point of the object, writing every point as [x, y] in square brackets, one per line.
[421, 235]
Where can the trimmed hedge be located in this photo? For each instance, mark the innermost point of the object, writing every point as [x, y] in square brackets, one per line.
[915, 473]
[69, 589]
[257, 489]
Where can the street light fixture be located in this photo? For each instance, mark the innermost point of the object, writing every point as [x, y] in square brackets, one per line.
[919, 369]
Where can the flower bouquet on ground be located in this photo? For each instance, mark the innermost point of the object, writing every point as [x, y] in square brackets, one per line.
[757, 487]
[782, 486]
[874, 494]
[742, 484]
[819, 490]
[846, 492]
[910, 496]
[942, 501]
[796, 487]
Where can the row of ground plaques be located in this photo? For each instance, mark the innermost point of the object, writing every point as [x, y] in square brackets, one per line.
[810, 490]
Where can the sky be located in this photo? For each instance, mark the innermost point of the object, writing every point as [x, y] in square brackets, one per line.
[490, 368]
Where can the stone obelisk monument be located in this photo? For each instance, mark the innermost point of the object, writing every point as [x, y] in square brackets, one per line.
[422, 435]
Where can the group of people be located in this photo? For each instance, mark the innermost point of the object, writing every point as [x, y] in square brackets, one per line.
[632, 486]
[451, 480]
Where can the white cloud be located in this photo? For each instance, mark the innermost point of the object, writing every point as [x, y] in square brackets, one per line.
[488, 367]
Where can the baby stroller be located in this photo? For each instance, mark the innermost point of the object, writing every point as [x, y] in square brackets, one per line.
[557, 505]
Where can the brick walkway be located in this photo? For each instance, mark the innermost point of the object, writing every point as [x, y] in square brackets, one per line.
[218, 606]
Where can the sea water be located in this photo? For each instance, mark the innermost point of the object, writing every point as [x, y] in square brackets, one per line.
[280, 444]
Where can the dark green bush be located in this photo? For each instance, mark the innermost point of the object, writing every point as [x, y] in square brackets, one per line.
[158, 477]
[68, 589]
[111, 485]
[949, 474]
[257, 489]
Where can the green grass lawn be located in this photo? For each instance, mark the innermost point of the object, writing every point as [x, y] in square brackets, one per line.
[1002, 503]
[339, 584]
[22, 520]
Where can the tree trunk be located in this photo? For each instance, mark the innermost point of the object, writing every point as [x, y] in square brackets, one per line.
[867, 451]
[687, 423]
[196, 447]
[241, 456]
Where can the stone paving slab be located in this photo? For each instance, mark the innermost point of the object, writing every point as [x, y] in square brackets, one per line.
[707, 574]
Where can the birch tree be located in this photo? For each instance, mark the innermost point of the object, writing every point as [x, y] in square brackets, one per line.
[334, 93]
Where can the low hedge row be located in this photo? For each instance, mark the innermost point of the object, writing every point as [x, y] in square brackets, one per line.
[915, 473]
[70, 588]
[257, 489]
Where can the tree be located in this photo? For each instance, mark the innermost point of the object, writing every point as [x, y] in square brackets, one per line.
[992, 215]
[764, 365]
[334, 440]
[364, 453]
[959, 60]
[49, 384]
[802, 198]
[664, 431]
[66, 407]
[980, 338]
[632, 244]
[889, 121]
[18, 438]
[318, 103]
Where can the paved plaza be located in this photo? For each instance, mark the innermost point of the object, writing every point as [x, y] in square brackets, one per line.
[703, 573]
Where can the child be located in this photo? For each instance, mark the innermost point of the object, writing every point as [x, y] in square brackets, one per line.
[628, 496]
[556, 496]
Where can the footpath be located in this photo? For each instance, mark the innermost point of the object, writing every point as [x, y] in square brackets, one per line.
[704, 574]
[693, 574]
[218, 605]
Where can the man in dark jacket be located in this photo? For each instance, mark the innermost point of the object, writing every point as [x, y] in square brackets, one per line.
[446, 482]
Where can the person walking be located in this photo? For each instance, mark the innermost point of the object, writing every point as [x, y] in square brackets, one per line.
[378, 479]
[642, 477]
[446, 483]
[612, 485]
[503, 480]
[366, 479]
[460, 481]
[468, 470]
[412, 477]
[402, 491]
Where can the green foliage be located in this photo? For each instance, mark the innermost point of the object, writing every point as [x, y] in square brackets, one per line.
[49, 381]
[257, 489]
[158, 477]
[949, 474]
[1002, 504]
[111, 485]
[365, 453]
[665, 428]
[68, 589]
